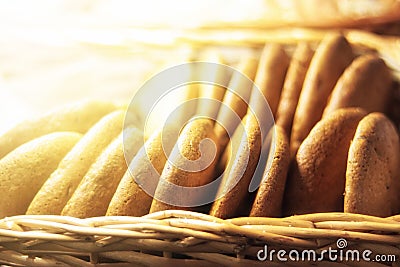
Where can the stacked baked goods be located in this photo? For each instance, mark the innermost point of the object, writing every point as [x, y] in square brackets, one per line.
[336, 145]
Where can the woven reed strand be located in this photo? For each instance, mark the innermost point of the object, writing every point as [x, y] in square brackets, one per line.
[178, 238]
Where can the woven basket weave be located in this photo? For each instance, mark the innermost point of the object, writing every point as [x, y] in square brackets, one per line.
[181, 238]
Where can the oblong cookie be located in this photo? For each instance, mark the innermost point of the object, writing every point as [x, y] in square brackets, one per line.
[78, 117]
[268, 201]
[57, 190]
[131, 198]
[270, 76]
[366, 83]
[93, 194]
[25, 169]
[191, 164]
[211, 93]
[317, 178]
[292, 86]
[331, 58]
[373, 168]
[242, 164]
[232, 105]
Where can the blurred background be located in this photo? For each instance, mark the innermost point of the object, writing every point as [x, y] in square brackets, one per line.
[54, 52]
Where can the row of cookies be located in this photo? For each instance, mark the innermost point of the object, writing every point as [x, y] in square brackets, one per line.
[309, 88]
[350, 160]
[335, 146]
[334, 149]
[34, 149]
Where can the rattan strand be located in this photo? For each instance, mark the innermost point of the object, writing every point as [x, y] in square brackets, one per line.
[178, 238]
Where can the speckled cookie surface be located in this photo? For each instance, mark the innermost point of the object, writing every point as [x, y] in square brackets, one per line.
[372, 177]
[268, 201]
[317, 177]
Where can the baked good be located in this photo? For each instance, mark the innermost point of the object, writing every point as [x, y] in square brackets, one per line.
[25, 169]
[211, 95]
[317, 177]
[270, 76]
[234, 107]
[77, 117]
[268, 201]
[366, 83]
[373, 168]
[100, 182]
[58, 189]
[191, 163]
[242, 162]
[92, 178]
[135, 191]
[331, 58]
[296, 73]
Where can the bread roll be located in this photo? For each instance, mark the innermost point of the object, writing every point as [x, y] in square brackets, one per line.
[75, 118]
[191, 164]
[93, 195]
[268, 201]
[25, 169]
[366, 83]
[242, 163]
[373, 168]
[317, 178]
[292, 86]
[331, 58]
[135, 192]
[58, 189]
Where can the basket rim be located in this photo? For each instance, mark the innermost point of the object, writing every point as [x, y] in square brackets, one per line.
[200, 236]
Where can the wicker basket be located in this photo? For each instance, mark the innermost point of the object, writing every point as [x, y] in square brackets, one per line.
[180, 238]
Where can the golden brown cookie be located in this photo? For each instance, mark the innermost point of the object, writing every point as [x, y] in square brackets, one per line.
[75, 118]
[268, 201]
[130, 198]
[93, 194]
[270, 75]
[366, 83]
[292, 86]
[191, 165]
[373, 168]
[25, 169]
[331, 58]
[232, 105]
[269, 80]
[213, 93]
[242, 162]
[317, 178]
[57, 190]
